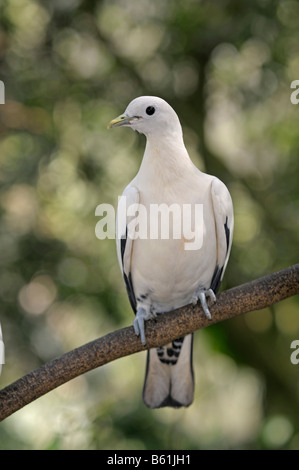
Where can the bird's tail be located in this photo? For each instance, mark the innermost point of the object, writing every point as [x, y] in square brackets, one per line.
[169, 379]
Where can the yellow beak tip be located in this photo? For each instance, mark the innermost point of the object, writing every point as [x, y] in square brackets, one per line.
[116, 121]
[111, 124]
[121, 120]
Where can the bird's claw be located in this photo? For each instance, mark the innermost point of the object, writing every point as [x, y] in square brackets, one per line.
[141, 316]
[202, 296]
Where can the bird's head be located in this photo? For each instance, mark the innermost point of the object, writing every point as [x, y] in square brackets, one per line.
[149, 115]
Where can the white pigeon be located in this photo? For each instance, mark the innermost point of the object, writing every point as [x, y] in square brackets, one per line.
[164, 274]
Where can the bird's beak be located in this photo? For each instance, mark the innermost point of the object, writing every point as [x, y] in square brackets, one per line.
[122, 120]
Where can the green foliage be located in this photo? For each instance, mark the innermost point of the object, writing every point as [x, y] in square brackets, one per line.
[69, 67]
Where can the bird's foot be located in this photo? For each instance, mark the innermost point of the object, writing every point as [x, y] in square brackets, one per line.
[141, 316]
[202, 295]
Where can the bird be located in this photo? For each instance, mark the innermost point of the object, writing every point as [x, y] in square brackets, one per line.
[163, 274]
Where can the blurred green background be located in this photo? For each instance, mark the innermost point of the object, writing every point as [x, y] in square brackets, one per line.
[69, 67]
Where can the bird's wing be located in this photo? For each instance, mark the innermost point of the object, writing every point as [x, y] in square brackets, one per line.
[124, 238]
[224, 224]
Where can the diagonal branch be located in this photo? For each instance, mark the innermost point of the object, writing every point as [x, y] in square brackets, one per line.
[254, 295]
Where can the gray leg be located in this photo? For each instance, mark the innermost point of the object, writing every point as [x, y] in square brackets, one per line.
[210, 293]
[202, 295]
[141, 316]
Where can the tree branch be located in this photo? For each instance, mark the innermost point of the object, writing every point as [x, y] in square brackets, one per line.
[254, 295]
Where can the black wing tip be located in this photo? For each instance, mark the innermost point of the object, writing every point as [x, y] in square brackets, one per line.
[216, 279]
[227, 233]
[130, 290]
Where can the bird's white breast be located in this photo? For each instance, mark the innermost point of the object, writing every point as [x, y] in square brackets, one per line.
[163, 269]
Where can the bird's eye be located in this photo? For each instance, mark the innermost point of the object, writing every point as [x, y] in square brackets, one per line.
[150, 110]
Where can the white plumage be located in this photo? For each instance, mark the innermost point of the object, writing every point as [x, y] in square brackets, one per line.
[163, 274]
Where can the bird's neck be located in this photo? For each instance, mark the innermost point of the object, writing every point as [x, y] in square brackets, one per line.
[165, 158]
